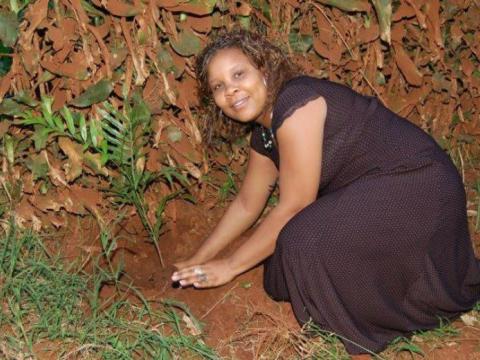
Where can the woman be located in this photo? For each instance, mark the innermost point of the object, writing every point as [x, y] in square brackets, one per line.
[369, 238]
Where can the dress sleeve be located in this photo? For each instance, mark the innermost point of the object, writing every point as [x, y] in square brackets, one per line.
[295, 94]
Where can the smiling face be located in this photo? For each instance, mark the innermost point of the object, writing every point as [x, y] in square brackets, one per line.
[237, 86]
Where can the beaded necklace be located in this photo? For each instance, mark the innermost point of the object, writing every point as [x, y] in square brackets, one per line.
[268, 138]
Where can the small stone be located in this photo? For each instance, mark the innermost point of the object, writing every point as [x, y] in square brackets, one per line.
[417, 338]
[469, 319]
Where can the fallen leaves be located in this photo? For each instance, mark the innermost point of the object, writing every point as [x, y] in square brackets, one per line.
[407, 66]
[420, 57]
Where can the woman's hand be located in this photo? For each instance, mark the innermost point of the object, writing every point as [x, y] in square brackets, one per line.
[211, 274]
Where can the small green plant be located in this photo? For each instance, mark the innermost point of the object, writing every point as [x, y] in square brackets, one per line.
[444, 329]
[18, 5]
[401, 344]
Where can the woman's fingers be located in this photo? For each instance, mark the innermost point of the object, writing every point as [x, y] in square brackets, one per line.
[194, 275]
[211, 274]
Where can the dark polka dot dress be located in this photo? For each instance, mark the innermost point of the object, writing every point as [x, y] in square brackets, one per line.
[385, 248]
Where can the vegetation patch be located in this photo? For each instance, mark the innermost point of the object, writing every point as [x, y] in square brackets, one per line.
[44, 303]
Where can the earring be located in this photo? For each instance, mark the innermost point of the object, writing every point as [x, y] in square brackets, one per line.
[265, 82]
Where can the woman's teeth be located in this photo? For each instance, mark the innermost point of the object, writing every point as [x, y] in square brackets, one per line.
[240, 102]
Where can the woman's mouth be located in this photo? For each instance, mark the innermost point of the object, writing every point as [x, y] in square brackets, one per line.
[239, 103]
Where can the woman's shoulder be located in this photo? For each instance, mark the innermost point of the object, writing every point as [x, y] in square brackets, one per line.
[301, 81]
[307, 83]
[295, 93]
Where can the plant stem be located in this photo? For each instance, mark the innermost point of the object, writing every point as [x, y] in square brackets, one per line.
[139, 205]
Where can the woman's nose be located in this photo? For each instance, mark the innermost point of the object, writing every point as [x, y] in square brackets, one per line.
[231, 88]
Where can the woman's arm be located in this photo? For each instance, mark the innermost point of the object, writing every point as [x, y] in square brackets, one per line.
[300, 140]
[245, 209]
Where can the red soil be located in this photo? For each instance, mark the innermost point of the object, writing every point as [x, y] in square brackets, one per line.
[240, 320]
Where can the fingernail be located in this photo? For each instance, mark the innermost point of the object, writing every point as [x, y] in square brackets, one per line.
[196, 284]
[183, 282]
[174, 277]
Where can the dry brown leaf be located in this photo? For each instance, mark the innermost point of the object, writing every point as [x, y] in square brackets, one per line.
[433, 17]
[72, 70]
[333, 53]
[48, 202]
[155, 158]
[152, 94]
[28, 183]
[197, 8]
[54, 172]
[56, 35]
[404, 11]
[398, 33]
[407, 66]
[367, 35]
[201, 24]
[35, 14]
[4, 126]
[192, 327]
[120, 8]
[57, 220]
[74, 152]
[25, 213]
[5, 83]
[193, 170]
[420, 16]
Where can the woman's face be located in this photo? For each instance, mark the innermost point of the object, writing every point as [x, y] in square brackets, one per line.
[238, 87]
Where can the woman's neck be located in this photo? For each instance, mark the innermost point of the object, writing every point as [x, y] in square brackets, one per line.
[265, 119]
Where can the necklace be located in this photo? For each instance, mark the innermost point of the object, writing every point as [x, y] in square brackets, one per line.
[268, 138]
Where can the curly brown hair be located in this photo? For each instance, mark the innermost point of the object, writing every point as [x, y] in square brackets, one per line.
[270, 59]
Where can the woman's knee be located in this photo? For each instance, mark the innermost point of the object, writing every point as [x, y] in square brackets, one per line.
[293, 234]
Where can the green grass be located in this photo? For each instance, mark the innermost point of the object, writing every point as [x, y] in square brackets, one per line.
[403, 344]
[327, 345]
[42, 302]
[444, 329]
[228, 187]
[477, 306]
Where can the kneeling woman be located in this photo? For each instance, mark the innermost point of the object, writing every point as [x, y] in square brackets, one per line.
[369, 238]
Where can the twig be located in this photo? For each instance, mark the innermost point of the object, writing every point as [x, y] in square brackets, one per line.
[354, 57]
[462, 164]
[219, 301]
[86, 347]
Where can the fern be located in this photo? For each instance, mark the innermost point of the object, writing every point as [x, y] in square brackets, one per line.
[120, 138]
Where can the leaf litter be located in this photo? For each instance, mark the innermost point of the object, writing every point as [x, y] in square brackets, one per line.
[421, 58]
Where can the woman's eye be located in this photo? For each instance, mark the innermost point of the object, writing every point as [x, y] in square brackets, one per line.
[216, 87]
[238, 74]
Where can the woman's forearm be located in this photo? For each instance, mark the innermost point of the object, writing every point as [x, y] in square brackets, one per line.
[234, 222]
[262, 243]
